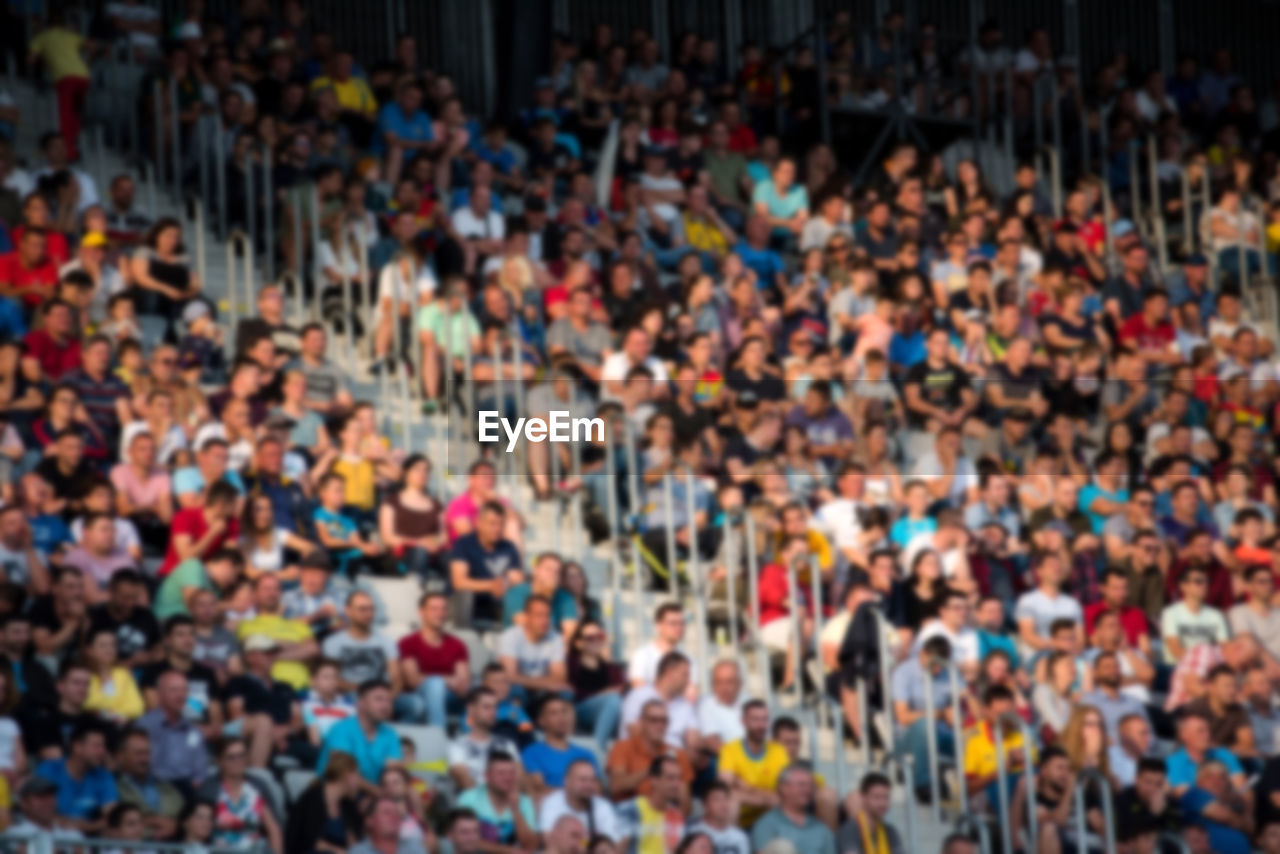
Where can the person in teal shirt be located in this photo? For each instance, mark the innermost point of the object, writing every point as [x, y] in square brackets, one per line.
[501, 780]
[545, 581]
[1106, 495]
[366, 736]
[217, 573]
[781, 200]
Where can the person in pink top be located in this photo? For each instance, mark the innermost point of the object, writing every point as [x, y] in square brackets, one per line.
[460, 516]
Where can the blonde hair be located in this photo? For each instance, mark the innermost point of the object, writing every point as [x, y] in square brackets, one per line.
[1072, 739]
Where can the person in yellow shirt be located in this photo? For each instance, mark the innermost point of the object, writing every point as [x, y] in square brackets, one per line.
[113, 693]
[61, 50]
[655, 822]
[704, 230]
[297, 645]
[355, 99]
[981, 762]
[795, 522]
[751, 765]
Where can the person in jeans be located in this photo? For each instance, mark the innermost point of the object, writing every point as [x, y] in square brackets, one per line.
[597, 682]
[910, 710]
[434, 666]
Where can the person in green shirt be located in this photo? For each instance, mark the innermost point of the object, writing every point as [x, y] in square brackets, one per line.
[219, 573]
[446, 323]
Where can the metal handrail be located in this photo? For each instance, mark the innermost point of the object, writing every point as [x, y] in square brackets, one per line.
[884, 631]
[48, 841]
[1002, 791]
[1054, 158]
[931, 733]
[1084, 778]
[968, 823]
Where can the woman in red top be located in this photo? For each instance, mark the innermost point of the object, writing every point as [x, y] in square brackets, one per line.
[778, 598]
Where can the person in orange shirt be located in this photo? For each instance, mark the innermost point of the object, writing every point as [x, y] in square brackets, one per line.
[631, 758]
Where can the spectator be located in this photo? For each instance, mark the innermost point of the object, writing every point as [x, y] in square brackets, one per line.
[506, 815]
[241, 812]
[469, 752]
[791, 819]
[866, 830]
[85, 788]
[366, 735]
[158, 802]
[578, 799]
[435, 665]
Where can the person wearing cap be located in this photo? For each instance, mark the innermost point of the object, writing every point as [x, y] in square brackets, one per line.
[107, 279]
[296, 640]
[38, 806]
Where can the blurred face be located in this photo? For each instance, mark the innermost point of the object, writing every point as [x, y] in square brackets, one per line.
[538, 618]
[671, 627]
[377, 704]
[756, 723]
[1194, 734]
[103, 649]
[484, 712]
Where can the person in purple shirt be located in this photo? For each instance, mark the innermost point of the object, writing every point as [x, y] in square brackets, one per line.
[828, 429]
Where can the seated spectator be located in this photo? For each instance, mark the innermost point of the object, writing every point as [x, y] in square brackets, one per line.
[506, 814]
[317, 601]
[751, 765]
[631, 760]
[158, 802]
[1108, 696]
[85, 788]
[661, 811]
[1131, 748]
[199, 532]
[792, 818]
[366, 735]
[337, 531]
[669, 628]
[578, 799]
[910, 707]
[546, 760]
[481, 563]
[242, 813]
[866, 831]
[1190, 622]
[113, 693]
[469, 751]
[29, 273]
[327, 812]
[720, 820]
[216, 575]
[295, 643]
[434, 665]
[363, 653]
[596, 681]
[980, 760]
[533, 653]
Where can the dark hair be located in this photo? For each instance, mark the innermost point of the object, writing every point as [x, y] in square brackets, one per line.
[1152, 765]
[175, 622]
[371, 685]
[786, 723]
[670, 660]
[873, 780]
[476, 694]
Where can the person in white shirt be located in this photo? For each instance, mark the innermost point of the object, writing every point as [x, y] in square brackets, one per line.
[1037, 610]
[839, 519]
[579, 799]
[636, 350]
[720, 712]
[54, 149]
[1191, 622]
[480, 228]
[952, 624]
[669, 624]
[669, 688]
[469, 752]
[719, 821]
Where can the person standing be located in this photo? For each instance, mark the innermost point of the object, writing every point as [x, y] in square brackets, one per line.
[61, 50]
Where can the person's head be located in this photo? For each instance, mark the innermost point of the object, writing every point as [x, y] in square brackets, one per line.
[755, 720]
[1194, 585]
[580, 782]
[726, 681]
[490, 521]
[654, 720]
[556, 717]
[433, 609]
[795, 786]
[482, 709]
[133, 757]
[670, 623]
[1221, 685]
[100, 649]
[73, 684]
[1134, 734]
[1054, 767]
[501, 773]
[360, 610]
[266, 593]
[88, 745]
[373, 701]
[1194, 732]
[68, 585]
[667, 784]
[672, 675]
[325, 676]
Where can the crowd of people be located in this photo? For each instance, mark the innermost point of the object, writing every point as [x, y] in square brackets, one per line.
[997, 449]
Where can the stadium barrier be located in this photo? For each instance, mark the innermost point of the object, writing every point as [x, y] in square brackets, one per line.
[38, 841]
[1086, 777]
[931, 732]
[1007, 824]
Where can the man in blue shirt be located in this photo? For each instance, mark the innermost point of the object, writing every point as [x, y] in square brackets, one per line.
[86, 789]
[547, 760]
[366, 735]
[1195, 740]
[756, 255]
[480, 561]
[403, 129]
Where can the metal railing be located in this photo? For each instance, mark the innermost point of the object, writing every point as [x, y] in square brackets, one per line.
[38, 841]
[1029, 780]
[931, 732]
[1086, 777]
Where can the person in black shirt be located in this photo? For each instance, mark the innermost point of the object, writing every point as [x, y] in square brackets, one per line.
[759, 441]
[60, 619]
[481, 561]
[66, 469]
[753, 375]
[937, 391]
[135, 627]
[204, 704]
[46, 727]
[1145, 810]
[268, 708]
